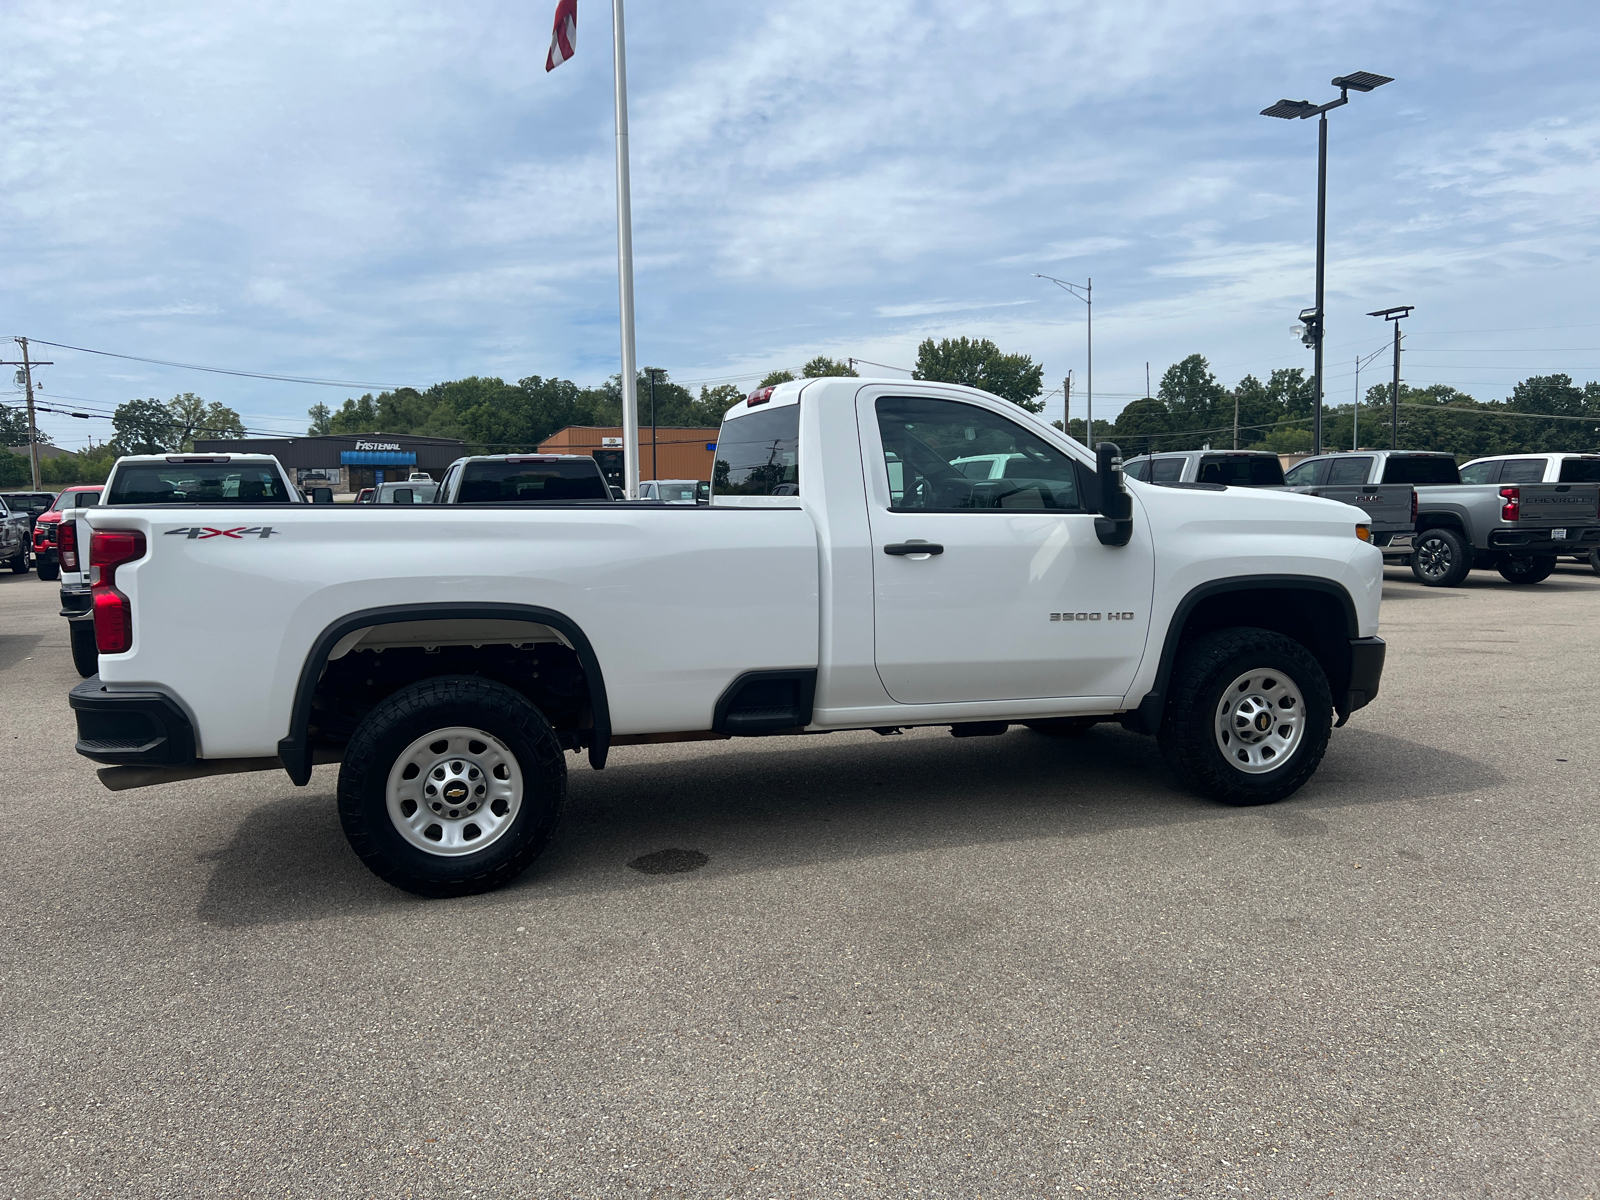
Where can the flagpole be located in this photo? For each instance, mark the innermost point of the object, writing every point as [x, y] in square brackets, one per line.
[630, 374]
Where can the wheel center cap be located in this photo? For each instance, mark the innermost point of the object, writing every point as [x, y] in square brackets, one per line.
[1263, 721]
[455, 790]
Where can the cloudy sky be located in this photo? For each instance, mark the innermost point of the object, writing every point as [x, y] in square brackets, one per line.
[398, 193]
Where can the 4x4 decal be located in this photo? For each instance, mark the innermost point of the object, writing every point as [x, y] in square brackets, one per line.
[240, 531]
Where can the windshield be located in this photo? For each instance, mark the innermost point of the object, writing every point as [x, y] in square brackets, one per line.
[1242, 470]
[1407, 468]
[27, 501]
[502, 482]
[758, 454]
[196, 483]
[1580, 470]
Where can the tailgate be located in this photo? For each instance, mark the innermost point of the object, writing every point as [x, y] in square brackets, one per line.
[1388, 505]
[1546, 504]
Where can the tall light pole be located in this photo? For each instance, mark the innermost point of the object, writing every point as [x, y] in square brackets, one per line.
[655, 472]
[1084, 292]
[1396, 314]
[1313, 318]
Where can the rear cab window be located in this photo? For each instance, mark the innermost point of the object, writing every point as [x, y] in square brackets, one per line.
[758, 453]
[1349, 470]
[1166, 470]
[197, 483]
[522, 479]
[1580, 470]
[1420, 469]
[1522, 470]
[1241, 470]
[1482, 472]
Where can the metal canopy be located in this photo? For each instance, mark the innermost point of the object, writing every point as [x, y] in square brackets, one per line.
[1361, 81]
[1290, 109]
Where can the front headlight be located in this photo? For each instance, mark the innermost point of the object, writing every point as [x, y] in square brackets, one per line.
[1364, 532]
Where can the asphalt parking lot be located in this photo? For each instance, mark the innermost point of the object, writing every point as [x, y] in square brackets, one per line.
[992, 967]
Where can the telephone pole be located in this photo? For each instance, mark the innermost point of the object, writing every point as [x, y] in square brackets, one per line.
[33, 427]
[1066, 405]
[1397, 314]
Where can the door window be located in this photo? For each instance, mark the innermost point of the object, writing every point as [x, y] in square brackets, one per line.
[1522, 470]
[946, 456]
[1349, 470]
[1480, 472]
[1166, 470]
[1303, 475]
[1138, 469]
[1580, 470]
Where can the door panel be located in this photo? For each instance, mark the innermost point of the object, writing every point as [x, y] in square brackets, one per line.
[1023, 602]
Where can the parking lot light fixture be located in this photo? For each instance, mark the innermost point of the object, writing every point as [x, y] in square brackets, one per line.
[1292, 110]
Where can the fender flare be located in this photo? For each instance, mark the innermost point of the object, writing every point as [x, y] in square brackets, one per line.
[1146, 718]
[295, 751]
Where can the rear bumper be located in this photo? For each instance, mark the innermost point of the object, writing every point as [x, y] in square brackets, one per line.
[144, 727]
[1366, 673]
[77, 603]
[1539, 541]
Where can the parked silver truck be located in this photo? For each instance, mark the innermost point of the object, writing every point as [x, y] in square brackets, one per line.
[1557, 467]
[1391, 508]
[1518, 529]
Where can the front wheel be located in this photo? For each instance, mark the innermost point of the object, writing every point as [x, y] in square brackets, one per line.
[452, 786]
[1526, 568]
[1440, 558]
[1594, 561]
[49, 571]
[85, 652]
[1248, 716]
[19, 561]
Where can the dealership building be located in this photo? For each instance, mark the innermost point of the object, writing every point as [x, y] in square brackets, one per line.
[348, 462]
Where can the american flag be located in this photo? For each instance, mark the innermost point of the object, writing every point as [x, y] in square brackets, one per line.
[564, 37]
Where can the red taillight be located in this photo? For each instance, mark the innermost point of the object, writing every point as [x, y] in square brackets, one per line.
[759, 396]
[67, 544]
[113, 615]
[1512, 509]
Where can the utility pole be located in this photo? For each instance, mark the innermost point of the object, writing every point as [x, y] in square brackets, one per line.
[654, 470]
[1235, 418]
[1066, 406]
[1396, 314]
[1147, 379]
[1085, 292]
[33, 428]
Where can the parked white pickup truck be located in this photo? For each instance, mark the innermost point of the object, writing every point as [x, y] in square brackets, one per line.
[846, 576]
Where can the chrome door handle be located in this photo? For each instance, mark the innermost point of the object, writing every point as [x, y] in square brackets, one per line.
[913, 548]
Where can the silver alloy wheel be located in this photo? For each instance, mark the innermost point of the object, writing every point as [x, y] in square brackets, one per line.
[1260, 721]
[454, 791]
[1433, 557]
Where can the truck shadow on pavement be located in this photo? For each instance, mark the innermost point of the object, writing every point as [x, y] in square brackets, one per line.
[788, 803]
[14, 647]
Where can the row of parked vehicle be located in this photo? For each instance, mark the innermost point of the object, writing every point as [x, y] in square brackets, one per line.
[1518, 514]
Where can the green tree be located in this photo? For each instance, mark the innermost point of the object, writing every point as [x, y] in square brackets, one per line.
[1141, 427]
[774, 378]
[192, 418]
[14, 427]
[980, 364]
[357, 416]
[822, 367]
[321, 420]
[142, 427]
[1195, 399]
[16, 470]
[718, 400]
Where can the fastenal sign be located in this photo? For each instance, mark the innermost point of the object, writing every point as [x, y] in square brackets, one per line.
[361, 445]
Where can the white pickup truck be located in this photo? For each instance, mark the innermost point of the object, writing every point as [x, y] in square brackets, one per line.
[846, 576]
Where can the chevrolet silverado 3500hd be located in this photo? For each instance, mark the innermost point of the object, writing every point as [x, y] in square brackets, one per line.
[845, 576]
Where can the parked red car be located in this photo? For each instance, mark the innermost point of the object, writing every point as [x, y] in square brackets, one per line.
[44, 529]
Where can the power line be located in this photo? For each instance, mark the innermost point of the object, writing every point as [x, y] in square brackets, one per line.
[162, 362]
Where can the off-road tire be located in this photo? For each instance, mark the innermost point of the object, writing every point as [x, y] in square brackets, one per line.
[412, 713]
[1063, 727]
[1440, 557]
[48, 571]
[1527, 570]
[1205, 669]
[85, 652]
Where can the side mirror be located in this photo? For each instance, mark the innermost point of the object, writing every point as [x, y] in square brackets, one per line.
[322, 495]
[1114, 525]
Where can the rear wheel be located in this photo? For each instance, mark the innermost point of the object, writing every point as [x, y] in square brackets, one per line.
[1525, 568]
[1440, 558]
[85, 653]
[19, 560]
[452, 786]
[1248, 716]
[1594, 561]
